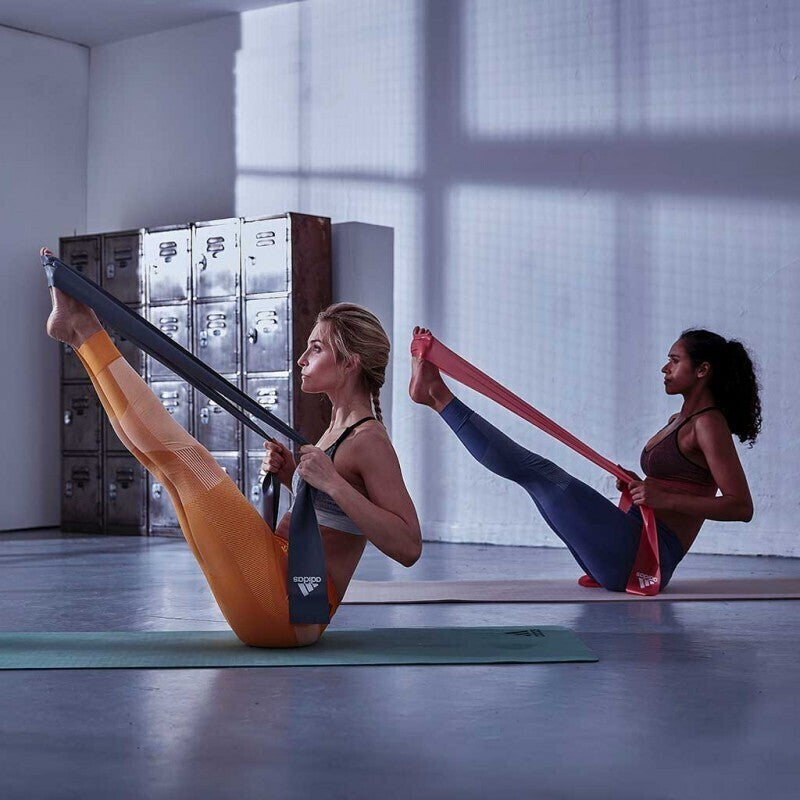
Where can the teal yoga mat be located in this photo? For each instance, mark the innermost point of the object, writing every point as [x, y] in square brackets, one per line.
[187, 649]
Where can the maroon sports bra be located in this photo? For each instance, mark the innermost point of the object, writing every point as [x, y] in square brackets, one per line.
[665, 461]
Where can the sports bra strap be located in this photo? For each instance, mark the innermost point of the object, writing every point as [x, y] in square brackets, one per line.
[345, 433]
[696, 413]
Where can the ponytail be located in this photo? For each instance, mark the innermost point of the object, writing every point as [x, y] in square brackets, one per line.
[376, 404]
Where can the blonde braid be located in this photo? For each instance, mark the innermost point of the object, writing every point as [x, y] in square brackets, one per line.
[376, 404]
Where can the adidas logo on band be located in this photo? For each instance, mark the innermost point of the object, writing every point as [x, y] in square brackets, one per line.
[645, 580]
[307, 584]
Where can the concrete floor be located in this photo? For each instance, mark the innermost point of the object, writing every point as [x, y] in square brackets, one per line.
[689, 700]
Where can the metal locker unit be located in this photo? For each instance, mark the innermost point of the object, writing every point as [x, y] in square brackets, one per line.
[242, 295]
[125, 502]
[81, 493]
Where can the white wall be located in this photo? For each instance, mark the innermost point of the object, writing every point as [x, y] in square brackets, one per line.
[363, 272]
[44, 101]
[570, 185]
[161, 127]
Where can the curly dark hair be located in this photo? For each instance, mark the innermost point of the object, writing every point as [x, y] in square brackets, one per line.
[733, 384]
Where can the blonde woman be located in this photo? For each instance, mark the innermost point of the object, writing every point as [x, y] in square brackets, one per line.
[244, 561]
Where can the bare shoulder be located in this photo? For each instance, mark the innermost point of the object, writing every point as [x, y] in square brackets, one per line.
[711, 432]
[711, 423]
[368, 452]
[370, 439]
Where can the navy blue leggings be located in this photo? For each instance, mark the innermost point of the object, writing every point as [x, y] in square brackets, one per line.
[603, 539]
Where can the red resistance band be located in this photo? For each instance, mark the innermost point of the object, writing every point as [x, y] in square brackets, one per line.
[645, 577]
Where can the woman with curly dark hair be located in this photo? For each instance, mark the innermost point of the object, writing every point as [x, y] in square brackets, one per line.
[691, 466]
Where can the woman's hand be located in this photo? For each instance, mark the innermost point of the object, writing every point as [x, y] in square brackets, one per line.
[317, 470]
[279, 459]
[624, 484]
[646, 493]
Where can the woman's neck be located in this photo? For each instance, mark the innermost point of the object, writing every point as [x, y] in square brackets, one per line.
[694, 401]
[348, 408]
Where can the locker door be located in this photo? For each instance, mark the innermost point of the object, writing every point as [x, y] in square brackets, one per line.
[231, 464]
[122, 267]
[80, 429]
[216, 334]
[273, 394]
[173, 321]
[215, 428]
[83, 254]
[215, 253]
[125, 494]
[81, 492]
[71, 367]
[168, 264]
[266, 334]
[265, 255]
[129, 351]
[162, 512]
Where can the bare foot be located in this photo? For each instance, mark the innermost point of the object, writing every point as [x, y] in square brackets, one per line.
[69, 321]
[426, 385]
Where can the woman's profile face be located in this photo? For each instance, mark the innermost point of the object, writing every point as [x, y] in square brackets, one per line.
[318, 368]
[679, 374]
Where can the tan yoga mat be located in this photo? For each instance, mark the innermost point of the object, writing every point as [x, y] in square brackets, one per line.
[565, 591]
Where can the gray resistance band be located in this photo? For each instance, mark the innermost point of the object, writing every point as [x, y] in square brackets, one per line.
[306, 554]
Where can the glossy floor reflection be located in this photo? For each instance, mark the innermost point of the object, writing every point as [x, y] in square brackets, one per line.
[688, 699]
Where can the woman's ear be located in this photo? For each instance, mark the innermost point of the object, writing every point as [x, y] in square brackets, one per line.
[704, 370]
[353, 364]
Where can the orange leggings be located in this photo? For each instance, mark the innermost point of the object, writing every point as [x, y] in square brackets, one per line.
[244, 562]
